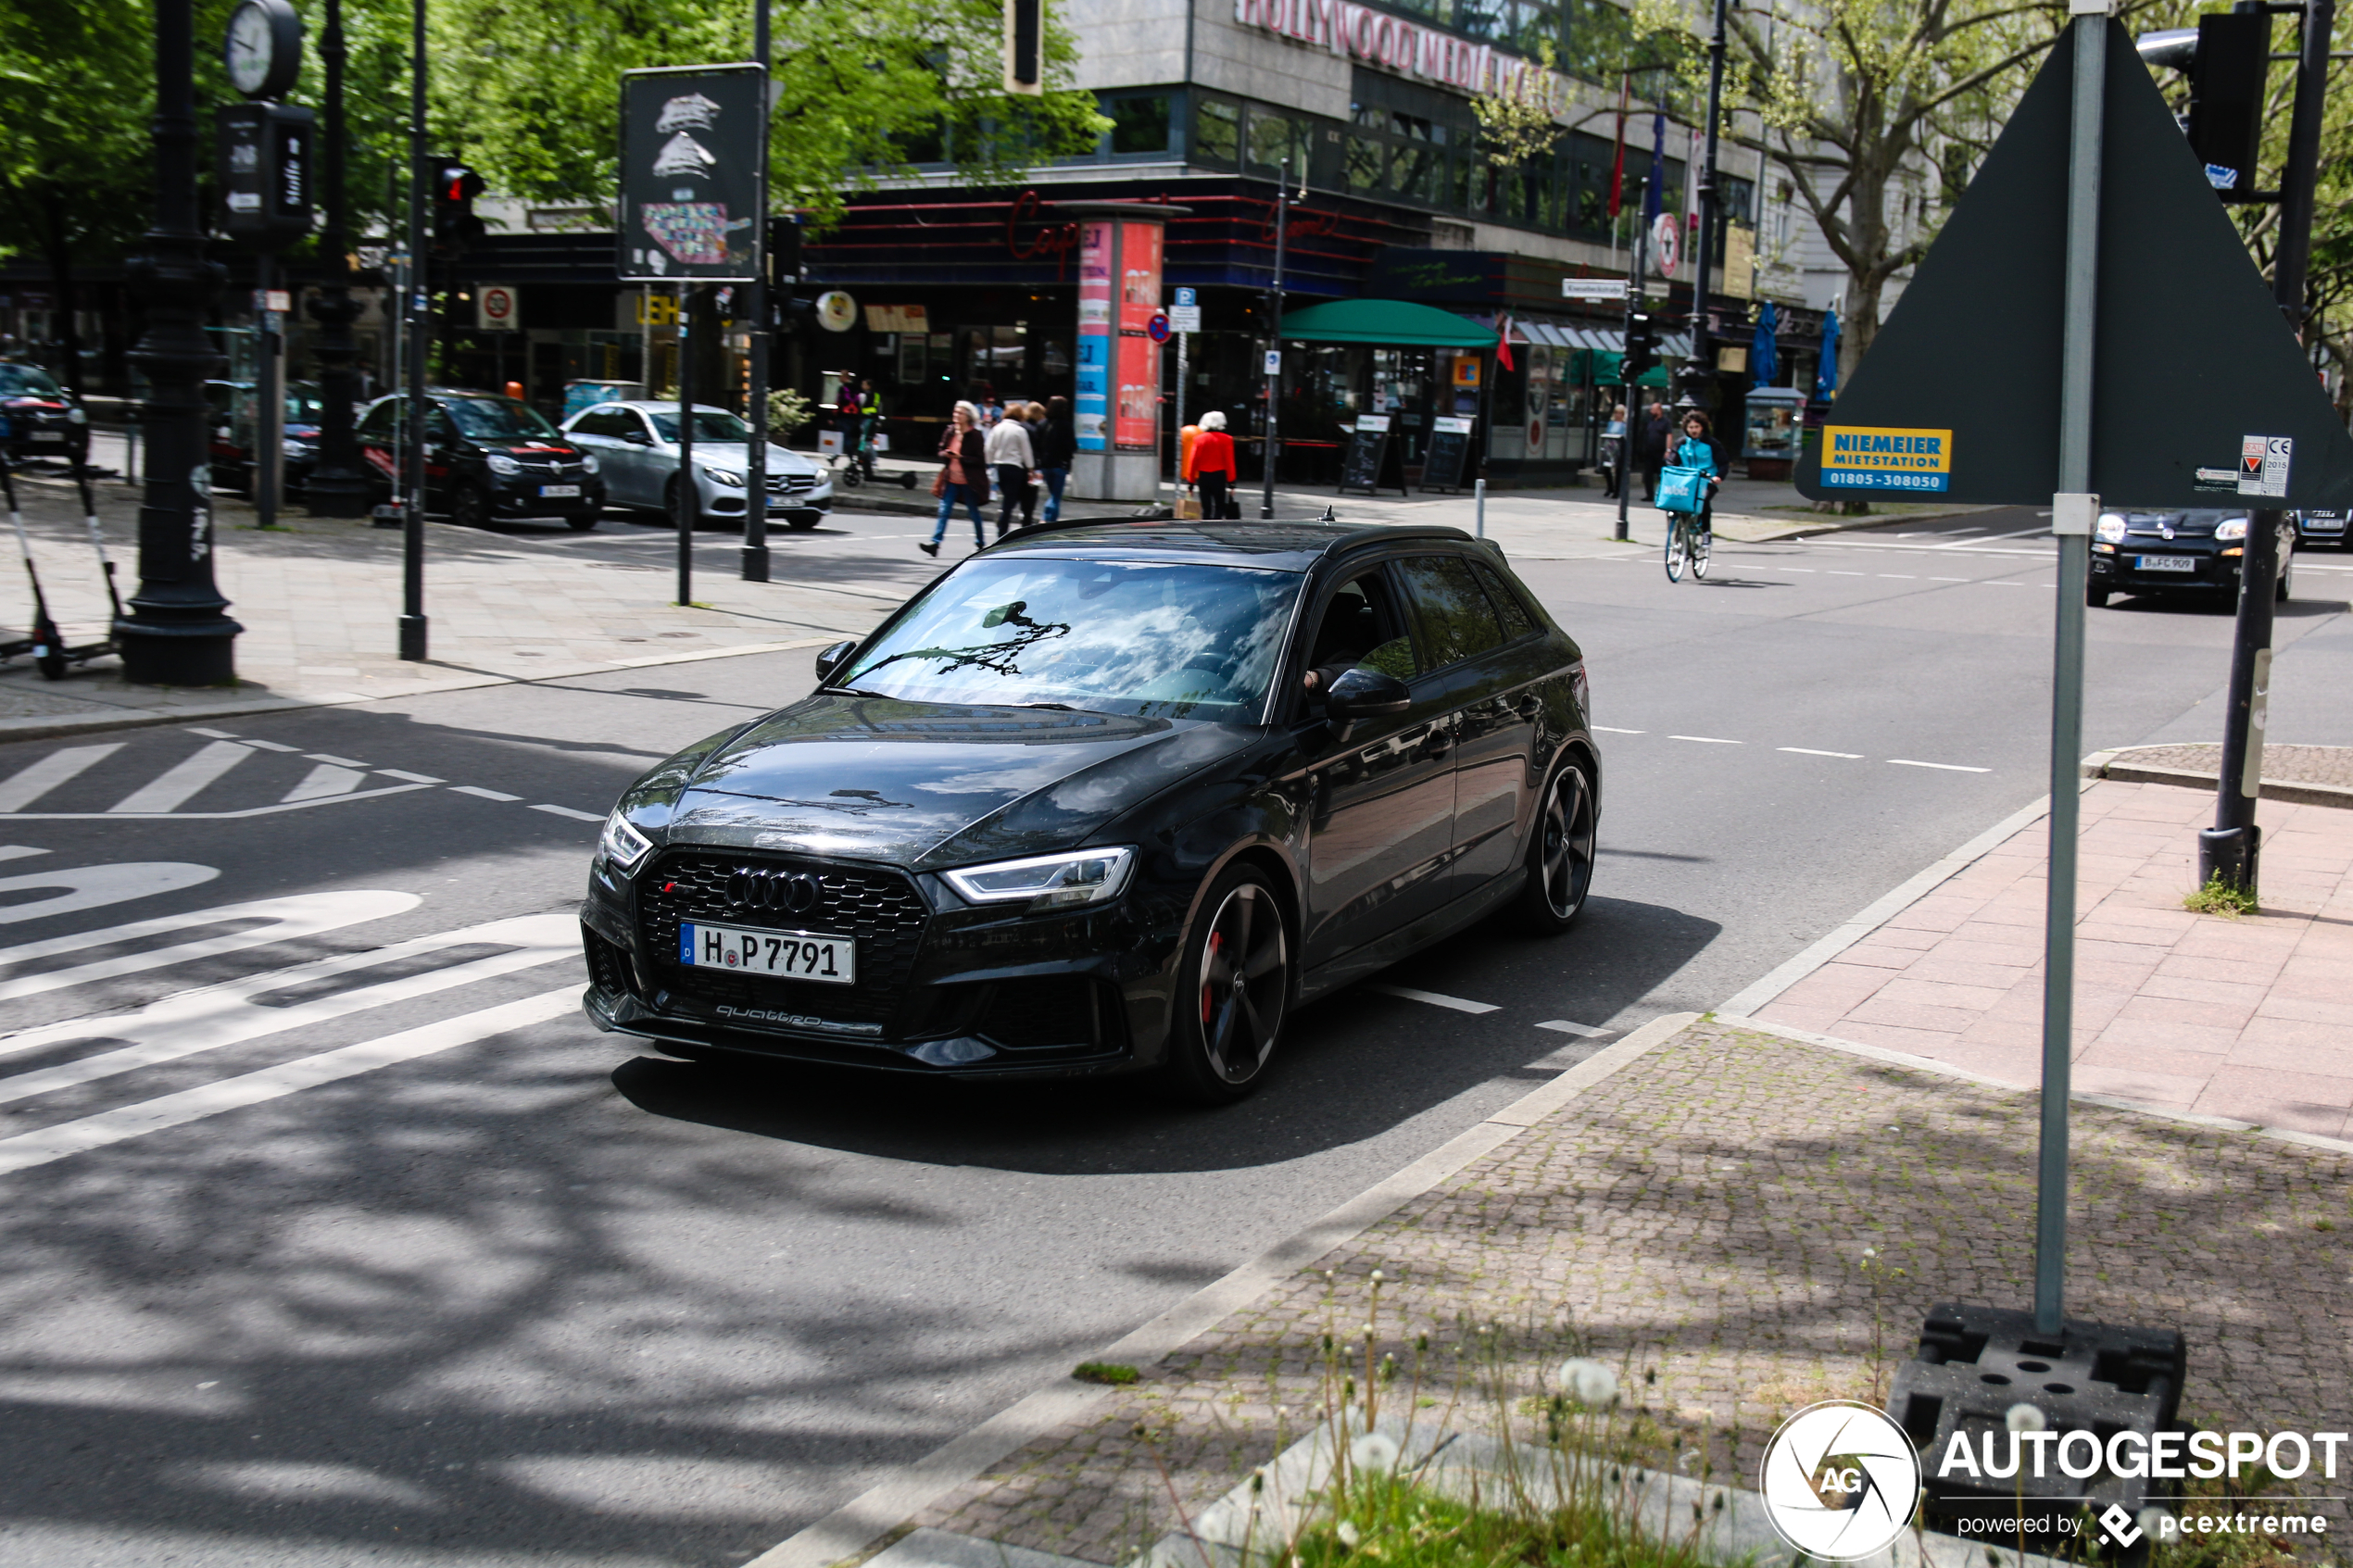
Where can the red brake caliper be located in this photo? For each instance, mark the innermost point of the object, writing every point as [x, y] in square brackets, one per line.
[1216, 946]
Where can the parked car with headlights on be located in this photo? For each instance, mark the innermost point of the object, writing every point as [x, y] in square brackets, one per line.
[43, 421]
[637, 443]
[1108, 799]
[2196, 552]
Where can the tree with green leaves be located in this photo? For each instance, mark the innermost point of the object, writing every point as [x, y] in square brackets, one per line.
[529, 90]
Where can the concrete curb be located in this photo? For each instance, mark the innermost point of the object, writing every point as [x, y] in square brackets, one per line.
[1876, 913]
[2112, 1102]
[41, 726]
[2119, 765]
[851, 1529]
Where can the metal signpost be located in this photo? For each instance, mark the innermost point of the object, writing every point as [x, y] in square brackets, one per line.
[1637, 285]
[1275, 341]
[694, 204]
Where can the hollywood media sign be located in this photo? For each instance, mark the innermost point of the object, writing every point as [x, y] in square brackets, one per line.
[1360, 32]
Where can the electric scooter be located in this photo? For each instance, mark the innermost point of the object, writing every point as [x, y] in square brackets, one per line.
[44, 645]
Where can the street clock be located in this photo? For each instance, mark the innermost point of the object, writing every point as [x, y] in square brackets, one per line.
[264, 48]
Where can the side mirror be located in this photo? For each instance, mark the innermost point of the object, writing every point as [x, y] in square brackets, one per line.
[1366, 694]
[637, 438]
[833, 658]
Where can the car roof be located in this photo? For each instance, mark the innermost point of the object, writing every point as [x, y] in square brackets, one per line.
[1278, 546]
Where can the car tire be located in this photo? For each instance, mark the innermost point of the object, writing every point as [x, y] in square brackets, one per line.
[1560, 851]
[580, 522]
[468, 507]
[801, 522]
[670, 508]
[2096, 597]
[1226, 1020]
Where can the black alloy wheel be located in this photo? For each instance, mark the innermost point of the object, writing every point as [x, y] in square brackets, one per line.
[1233, 992]
[1560, 851]
[468, 507]
[670, 507]
[580, 522]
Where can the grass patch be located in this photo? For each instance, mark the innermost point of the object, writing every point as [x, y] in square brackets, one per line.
[1113, 1373]
[2219, 897]
[1400, 1524]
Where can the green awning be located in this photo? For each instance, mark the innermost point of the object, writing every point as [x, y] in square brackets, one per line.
[1608, 368]
[1392, 323]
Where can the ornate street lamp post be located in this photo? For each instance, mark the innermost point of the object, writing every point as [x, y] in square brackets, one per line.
[337, 487]
[177, 633]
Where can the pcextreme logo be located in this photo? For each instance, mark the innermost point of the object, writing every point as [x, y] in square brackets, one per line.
[1840, 1480]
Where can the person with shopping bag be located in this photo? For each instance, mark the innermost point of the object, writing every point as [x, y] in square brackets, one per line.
[964, 476]
[1213, 468]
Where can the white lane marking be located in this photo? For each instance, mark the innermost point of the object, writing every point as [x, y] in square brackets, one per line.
[1709, 740]
[1610, 729]
[323, 781]
[205, 1020]
[210, 735]
[2002, 583]
[1432, 997]
[481, 793]
[1834, 572]
[1948, 579]
[91, 887]
[1809, 751]
[1900, 576]
[305, 914]
[265, 745]
[412, 778]
[22, 788]
[1948, 767]
[19, 851]
[1582, 1030]
[1806, 570]
[172, 787]
[87, 1133]
[568, 811]
[338, 761]
[120, 816]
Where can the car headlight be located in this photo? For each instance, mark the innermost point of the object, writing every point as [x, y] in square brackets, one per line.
[2234, 528]
[622, 843]
[587, 462]
[727, 477]
[1083, 876]
[78, 417]
[294, 449]
[499, 463]
[2111, 528]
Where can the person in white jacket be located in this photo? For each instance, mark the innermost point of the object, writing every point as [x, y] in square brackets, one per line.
[1008, 452]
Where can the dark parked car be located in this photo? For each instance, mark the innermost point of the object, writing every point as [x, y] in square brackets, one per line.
[487, 457]
[235, 407]
[1076, 809]
[2320, 528]
[2186, 552]
[43, 418]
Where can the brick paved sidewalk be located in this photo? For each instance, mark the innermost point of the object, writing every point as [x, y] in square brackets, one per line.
[1701, 1219]
[2250, 1018]
[320, 603]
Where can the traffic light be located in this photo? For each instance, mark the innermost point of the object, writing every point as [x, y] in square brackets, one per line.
[1642, 344]
[455, 227]
[784, 250]
[1024, 46]
[2226, 57]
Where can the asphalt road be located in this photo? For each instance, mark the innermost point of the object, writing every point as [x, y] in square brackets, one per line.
[331, 1234]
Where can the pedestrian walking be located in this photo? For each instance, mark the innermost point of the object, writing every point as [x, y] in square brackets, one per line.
[992, 409]
[964, 476]
[1033, 418]
[1055, 449]
[1007, 447]
[1614, 453]
[1213, 468]
[1650, 444]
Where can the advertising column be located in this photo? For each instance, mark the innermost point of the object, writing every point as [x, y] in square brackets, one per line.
[1117, 409]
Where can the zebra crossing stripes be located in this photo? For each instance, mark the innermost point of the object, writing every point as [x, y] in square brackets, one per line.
[283, 920]
[170, 789]
[23, 788]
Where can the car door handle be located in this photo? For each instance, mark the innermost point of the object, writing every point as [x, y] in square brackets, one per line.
[1436, 742]
[1530, 705]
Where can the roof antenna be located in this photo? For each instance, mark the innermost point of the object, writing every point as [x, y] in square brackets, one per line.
[1328, 516]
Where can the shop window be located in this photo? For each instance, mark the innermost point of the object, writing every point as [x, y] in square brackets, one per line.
[1361, 169]
[1137, 125]
[1413, 172]
[1217, 128]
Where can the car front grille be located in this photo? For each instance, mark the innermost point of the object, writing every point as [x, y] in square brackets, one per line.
[791, 484]
[880, 909]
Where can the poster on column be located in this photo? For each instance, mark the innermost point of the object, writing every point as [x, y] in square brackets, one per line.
[1137, 421]
[1093, 406]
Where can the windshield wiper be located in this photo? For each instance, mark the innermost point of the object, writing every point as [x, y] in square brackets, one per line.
[856, 691]
[1056, 706]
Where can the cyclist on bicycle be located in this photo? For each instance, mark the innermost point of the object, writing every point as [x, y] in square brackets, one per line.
[1694, 445]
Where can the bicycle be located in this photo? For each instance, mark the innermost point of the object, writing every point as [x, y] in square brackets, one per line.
[1688, 541]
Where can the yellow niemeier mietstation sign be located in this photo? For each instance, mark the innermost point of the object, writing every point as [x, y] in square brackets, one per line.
[1871, 457]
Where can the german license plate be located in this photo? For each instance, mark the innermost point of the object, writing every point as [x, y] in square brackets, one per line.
[2165, 563]
[557, 492]
[786, 955]
[46, 436]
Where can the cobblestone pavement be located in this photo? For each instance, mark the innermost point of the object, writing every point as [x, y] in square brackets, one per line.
[2248, 1018]
[2287, 764]
[1702, 1219]
[320, 600]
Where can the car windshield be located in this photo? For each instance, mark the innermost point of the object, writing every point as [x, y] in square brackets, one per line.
[304, 406]
[17, 378]
[1132, 637]
[711, 424]
[498, 419]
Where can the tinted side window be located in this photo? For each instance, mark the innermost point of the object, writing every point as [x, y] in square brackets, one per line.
[601, 422]
[1517, 622]
[380, 418]
[1457, 620]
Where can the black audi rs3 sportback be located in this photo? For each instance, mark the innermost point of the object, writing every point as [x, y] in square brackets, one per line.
[1108, 799]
